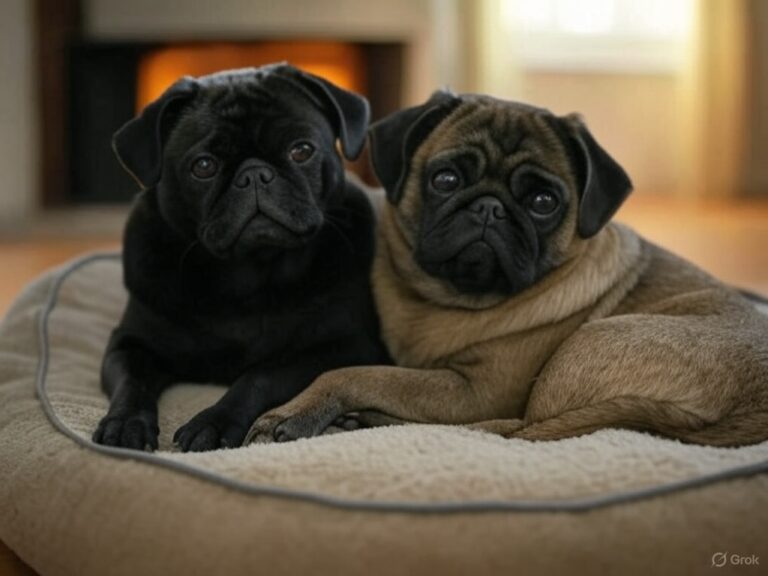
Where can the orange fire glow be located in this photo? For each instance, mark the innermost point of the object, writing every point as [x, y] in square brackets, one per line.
[338, 62]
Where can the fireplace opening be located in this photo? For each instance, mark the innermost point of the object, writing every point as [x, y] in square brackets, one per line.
[110, 82]
[340, 63]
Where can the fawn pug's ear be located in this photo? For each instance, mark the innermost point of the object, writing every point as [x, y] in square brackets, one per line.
[139, 143]
[604, 183]
[394, 139]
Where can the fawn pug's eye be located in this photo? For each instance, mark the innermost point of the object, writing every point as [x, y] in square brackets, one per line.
[205, 167]
[445, 180]
[301, 152]
[543, 204]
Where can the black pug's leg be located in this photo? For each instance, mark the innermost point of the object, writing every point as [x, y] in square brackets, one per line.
[225, 424]
[134, 382]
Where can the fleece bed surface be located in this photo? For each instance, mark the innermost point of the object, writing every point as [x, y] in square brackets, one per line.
[387, 500]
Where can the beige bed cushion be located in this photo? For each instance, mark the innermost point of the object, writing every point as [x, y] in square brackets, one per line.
[385, 500]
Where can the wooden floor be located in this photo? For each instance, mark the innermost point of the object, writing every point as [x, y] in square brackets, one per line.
[729, 240]
[23, 260]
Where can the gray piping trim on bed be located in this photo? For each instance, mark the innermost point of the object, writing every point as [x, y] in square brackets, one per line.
[469, 506]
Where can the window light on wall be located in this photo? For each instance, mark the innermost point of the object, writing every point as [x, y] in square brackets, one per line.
[602, 35]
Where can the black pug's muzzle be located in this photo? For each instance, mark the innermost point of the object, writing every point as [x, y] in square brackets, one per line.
[260, 208]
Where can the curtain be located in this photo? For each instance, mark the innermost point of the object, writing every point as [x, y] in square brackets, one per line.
[756, 159]
[714, 101]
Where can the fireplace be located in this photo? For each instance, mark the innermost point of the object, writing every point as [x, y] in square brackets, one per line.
[341, 63]
[109, 82]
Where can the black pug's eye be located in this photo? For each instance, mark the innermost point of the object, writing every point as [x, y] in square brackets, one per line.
[301, 152]
[543, 204]
[205, 167]
[445, 180]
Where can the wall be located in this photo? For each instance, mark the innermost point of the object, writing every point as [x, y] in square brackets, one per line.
[18, 132]
[636, 117]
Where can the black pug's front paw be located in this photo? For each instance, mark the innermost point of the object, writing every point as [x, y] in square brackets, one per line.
[138, 431]
[211, 429]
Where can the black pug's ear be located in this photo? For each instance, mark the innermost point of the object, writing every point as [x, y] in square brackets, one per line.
[395, 138]
[139, 143]
[352, 112]
[605, 184]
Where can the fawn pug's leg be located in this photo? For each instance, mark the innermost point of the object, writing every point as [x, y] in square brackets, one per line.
[383, 394]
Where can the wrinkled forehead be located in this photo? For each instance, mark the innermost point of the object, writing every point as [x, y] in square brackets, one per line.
[236, 102]
[503, 135]
[241, 95]
[248, 104]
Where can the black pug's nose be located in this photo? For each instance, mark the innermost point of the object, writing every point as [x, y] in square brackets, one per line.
[488, 208]
[252, 174]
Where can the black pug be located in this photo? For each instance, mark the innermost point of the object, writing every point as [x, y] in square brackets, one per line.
[247, 256]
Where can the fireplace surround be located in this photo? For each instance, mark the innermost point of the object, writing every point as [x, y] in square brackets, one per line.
[98, 65]
[110, 82]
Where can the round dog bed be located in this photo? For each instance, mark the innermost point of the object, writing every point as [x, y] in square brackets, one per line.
[413, 499]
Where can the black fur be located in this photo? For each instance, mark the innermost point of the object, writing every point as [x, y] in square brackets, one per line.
[256, 277]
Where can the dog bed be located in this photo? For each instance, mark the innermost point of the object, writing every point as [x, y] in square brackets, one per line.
[408, 499]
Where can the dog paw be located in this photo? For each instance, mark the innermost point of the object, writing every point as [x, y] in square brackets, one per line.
[304, 425]
[285, 424]
[263, 429]
[211, 429]
[138, 431]
[349, 422]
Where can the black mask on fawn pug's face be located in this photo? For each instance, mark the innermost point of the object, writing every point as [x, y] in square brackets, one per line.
[491, 194]
[245, 161]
